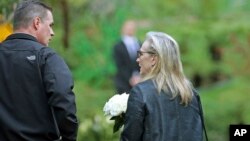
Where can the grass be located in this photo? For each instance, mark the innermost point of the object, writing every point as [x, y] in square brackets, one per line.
[224, 104]
[90, 100]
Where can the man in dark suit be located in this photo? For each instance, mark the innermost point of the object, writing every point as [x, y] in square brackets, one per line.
[124, 54]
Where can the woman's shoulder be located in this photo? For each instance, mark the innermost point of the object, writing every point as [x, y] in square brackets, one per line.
[146, 82]
[144, 85]
[144, 88]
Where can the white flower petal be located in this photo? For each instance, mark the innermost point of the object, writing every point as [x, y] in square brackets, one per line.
[116, 105]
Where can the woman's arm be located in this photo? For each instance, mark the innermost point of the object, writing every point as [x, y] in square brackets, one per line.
[134, 118]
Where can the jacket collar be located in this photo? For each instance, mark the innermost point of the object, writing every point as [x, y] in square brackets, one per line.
[21, 36]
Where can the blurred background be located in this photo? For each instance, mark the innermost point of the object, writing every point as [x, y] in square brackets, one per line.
[214, 39]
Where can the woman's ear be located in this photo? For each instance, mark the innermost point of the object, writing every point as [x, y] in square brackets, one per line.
[154, 60]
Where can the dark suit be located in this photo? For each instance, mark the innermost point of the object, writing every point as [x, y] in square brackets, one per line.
[125, 67]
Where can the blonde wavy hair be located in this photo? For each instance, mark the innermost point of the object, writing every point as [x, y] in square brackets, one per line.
[167, 73]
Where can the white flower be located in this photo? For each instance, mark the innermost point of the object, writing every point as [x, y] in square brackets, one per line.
[116, 105]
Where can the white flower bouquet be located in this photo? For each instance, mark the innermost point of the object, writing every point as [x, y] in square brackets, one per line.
[116, 108]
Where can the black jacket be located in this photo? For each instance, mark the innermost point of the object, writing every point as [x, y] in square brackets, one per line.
[125, 67]
[156, 117]
[36, 98]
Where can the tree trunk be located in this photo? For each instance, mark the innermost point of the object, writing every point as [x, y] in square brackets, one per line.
[65, 12]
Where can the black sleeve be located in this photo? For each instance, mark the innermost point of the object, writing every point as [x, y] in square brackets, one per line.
[134, 117]
[59, 87]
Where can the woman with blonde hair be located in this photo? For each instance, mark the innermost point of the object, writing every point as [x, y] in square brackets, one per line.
[164, 105]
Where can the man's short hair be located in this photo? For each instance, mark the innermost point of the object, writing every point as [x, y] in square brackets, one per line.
[27, 10]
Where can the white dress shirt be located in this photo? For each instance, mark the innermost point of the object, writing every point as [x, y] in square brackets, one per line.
[132, 46]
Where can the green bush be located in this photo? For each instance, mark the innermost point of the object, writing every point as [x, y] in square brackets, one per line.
[224, 104]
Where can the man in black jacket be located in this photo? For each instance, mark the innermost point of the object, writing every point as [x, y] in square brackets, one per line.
[125, 54]
[36, 98]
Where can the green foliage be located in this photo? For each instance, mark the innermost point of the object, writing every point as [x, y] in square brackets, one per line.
[6, 10]
[97, 129]
[224, 104]
[94, 126]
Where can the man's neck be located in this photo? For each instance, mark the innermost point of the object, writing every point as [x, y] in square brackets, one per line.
[26, 31]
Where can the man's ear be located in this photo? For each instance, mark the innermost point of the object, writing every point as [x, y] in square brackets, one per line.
[36, 22]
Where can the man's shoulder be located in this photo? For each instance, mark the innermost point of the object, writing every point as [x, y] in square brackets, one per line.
[47, 49]
[119, 46]
[119, 43]
[46, 52]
